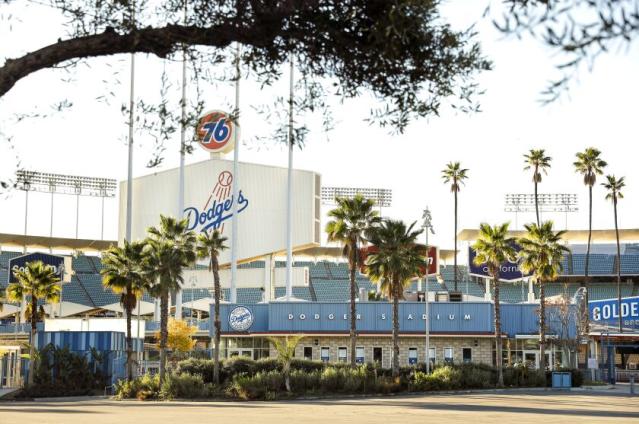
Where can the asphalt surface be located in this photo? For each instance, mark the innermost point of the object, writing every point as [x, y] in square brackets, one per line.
[505, 407]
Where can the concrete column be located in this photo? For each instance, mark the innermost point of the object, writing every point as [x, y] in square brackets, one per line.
[268, 278]
[178, 305]
[487, 295]
[531, 292]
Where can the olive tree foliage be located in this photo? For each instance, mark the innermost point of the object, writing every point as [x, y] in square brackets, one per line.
[402, 53]
[581, 30]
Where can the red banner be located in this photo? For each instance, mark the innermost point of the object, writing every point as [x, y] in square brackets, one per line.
[433, 267]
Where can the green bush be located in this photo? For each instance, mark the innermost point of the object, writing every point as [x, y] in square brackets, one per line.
[195, 366]
[263, 385]
[184, 386]
[142, 388]
[306, 365]
[61, 372]
[477, 376]
[520, 375]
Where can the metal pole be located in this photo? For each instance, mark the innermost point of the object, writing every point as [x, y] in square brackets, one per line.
[26, 215]
[102, 227]
[129, 181]
[77, 213]
[51, 222]
[427, 311]
[289, 194]
[236, 182]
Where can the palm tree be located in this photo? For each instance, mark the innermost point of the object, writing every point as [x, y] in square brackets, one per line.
[494, 247]
[589, 164]
[541, 255]
[209, 245]
[455, 175]
[398, 259]
[351, 220]
[122, 273]
[537, 160]
[36, 282]
[614, 187]
[285, 348]
[169, 249]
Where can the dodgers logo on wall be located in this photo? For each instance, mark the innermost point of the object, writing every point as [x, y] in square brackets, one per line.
[217, 132]
[240, 318]
[218, 207]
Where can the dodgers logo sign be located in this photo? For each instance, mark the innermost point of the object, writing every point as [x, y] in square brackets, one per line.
[219, 206]
[240, 318]
[217, 132]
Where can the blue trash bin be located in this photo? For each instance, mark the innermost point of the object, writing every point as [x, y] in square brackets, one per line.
[561, 380]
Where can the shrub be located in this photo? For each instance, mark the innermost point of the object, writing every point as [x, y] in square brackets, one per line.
[477, 376]
[239, 365]
[145, 387]
[194, 366]
[520, 375]
[304, 382]
[263, 385]
[185, 386]
[306, 365]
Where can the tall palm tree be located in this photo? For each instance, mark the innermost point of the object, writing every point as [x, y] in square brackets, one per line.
[589, 164]
[351, 220]
[169, 249]
[494, 247]
[209, 245]
[537, 160]
[36, 282]
[122, 273]
[455, 175]
[541, 255]
[614, 186]
[285, 348]
[398, 259]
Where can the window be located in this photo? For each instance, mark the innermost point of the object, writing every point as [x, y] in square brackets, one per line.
[448, 355]
[412, 356]
[325, 354]
[359, 355]
[431, 355]
[341, 354]
[467, 355]
[377, 355]
[308, 353]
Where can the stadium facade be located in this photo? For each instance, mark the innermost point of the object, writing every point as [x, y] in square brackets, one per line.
[316, 304]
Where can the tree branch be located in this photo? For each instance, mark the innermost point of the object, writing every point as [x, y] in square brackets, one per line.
[158, 41]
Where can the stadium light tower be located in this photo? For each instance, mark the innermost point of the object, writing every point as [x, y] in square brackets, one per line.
[64, 184]
[428, 228]
[548, 202]
[383, 197]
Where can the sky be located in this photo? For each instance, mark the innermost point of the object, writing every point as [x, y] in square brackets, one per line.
[89, 139]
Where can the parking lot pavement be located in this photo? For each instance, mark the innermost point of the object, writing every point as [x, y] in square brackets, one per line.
[505, 407]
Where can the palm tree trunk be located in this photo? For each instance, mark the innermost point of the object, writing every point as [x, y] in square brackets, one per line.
[586, 317]
[164, 332]
[395, 327]
[216, 322]
[614, 202]
[542, 326]
[129, 339]
[353, 333]
[34, 330]
[536, 201]
[455, 254]
[498, 345]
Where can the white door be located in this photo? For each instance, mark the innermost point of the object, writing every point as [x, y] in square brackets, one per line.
[531, 359]
[248, 353]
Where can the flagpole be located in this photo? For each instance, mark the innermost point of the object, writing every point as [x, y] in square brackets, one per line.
[236, 181]
[129, 181]
[289, 194]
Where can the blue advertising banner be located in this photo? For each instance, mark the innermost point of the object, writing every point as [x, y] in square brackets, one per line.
[606, 312]
[508, 271]
[56, 262]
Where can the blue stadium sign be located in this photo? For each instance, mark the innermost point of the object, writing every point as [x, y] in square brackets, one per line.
[19, 263]
[606, 312]
[508, 271]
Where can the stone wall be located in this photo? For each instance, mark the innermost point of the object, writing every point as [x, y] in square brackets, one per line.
[481, 348]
